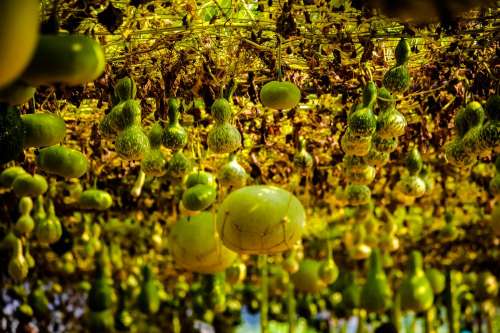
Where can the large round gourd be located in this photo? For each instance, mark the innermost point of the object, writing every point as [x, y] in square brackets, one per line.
[260, 219]
[62, 161]
[196, 247]
[18, 37]
[43, 129]
[67, 59]
[280, 95]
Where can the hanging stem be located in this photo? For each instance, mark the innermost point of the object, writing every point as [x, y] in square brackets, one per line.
[264, 285]
[278, 65]
[430, 316]
[450, 311]
[396, 312]
[291, 308]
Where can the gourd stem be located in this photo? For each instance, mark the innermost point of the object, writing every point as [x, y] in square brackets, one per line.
[139, 183]
[396, 312]
[264, 285]
[291, 308]
[429, 320]
[278, 65]
[450, 311]
[329, 249]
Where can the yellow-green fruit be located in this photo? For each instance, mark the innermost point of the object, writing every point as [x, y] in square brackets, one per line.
[95, 199]
[376, 158]
[200, 177]
[43, 129]
[102, 322]
[62, 161]
[132, 143]
[154, 163]
[8, 176]
[280, 95]
[412, 186]
[18, 266]
[455, 154]
[397, 79]
[260, 220]
[179, 165]
[384, 145]
[224, 138]
[328, 271]
[486, 286]
[198, 197]
[376, 294]
[416, 291]
[125, 89]
[19, 26]
[125, 114]
[357, 194]
[65, 58]
[361, 177]
[307, 279]
[436, 279]
[390, 124]
[221, 110]
[29, 186]
[232, 174]
[17, 93]
[196, 247]
[355, 145]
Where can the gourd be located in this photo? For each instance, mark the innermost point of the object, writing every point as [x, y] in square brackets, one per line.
[19, 26]
[101, 295]
[385, 100]
[224, 138]
[18, 266]
[17, 93]
[199, 197]
[351, 294]
[291, 264]
[455, 154]
[25, 223]
[376, 293]
[280, 95]
[38, 301]
[149, 299]
[397, 79]
[221, 111]
[416, 291]
[132, 143]
[123, 115]
[362, 122]
[67, 59]
[8, 176]
[200, 177]
[29, 185]
[232, 173]
[359, 249]
[362, 177]
[384, 145]
[154, 162]
[391, 123]
[303, 159]
[48, 230]
[175, 136]
[95, 199]
[355, 145]
[471, 116]
[307, 279]
[11, 133]
[125, 89]
[412, 186]
[376, 158]
[62, 161]
[178, 165]
[280, 216]
[43, 130]
[354, 163]
[328, 271]
[489, 137]
[236, 273]
[357, 195]
[436, 280]
[101, 321]
[196, 247]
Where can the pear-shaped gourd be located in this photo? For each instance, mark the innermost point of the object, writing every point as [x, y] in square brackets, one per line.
[179, 165]
[200, 177]
[224, 138]
[351, 293]
[43, 129]
[95, 199]
[280, 95]
[25, 223]
[101, 294]
[411, 186]
[149, 299]
[62, 161]
[489, 137]
[125, 89]
[232, 173]
[416, 291]
[328, 271]
[357, 195]
[390, 122]
[18, 266]
[280, 216]
[307, 279]
[436, 279]
[221, 111]
[175, 136]
[472, 115]
[291, 264]
[198, 197]
[48, 230]
[17, 93]
[355, 145]
[303, 159]
[154, 162]
[117, 119]
[29, 185]
[132, 143]
[10, 174]
[455, 154]
[38, 301]
[397, 79]
[376, 293]
[362, 122]
[11, 133]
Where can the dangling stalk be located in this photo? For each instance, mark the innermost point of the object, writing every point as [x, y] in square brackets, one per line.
[430, 316]
[278, 69]
[291, 308]
[396, 312]
[139, 183]
[264, 285]
[450, 311]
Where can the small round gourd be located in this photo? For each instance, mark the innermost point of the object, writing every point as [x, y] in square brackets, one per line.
[132, 143]
[17, 93]
[221, 111]
[260, 220]
[29, 185]
[43, 129]
[414, 161]
[179, 165]
[357, 194]
[384, 145]
[155, 136]
[62, 161]
[200, 177]
[361, 177]
[175, 137]
[8, 176]
[328, 271]
[224, 138]
[307, 279]
[355, 145]
[391, 124]
[232, 173]
[196, 247]
[198, 197]
[280, 95]
[473, 114]
[354, 163]
[362, 122]
[95, 199]
[25, 224]
[124, 115]
[411, 186]
[303, 159]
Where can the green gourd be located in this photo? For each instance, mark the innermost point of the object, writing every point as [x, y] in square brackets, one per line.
[489, 137]
[11, 133]
[391, 124]
[376, 294]
[38, 301]
[200, 177]
[436, 279]
[473, 115]
[376, 158]
[351, 293]
[8, 176]
[179, 165]
[455, 154]
[493, 108]
[328, 271]
[291, 264]
[175, 136]
[303, 159]
[27, 254]
[101, 321]
[132, 143]
[362, 177]
[29, 185]
[387, 145]
[354, 163]
[43, 129]
[101, 294]
[17, 93]
[307, 279]
[385, 100]
[362, 122]
[149, 299]
[280, 95]
[415, 290]
[198, 197]
[154, 162]
[18, 266]
[122, 116]
[62, 161]
[221, 111]
[355, 145]
[357, 195]
[411, 186]
[95, 199]
[232, 173]
[125, 89]
[397, 79]
[414, 161]
[224, 138]
[19, 26]
[105, 128]
[48, 230]
[25, 223]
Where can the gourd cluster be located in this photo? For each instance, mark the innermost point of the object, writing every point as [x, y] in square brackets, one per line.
[478, 132]
[412, 185]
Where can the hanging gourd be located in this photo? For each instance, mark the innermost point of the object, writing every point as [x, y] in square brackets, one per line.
[436, 279]
[232, 173]
[357, 194]
[175, 136]
[29, 185]
[355, 145]
[199, 197]
[362, 122]
[416, 291]
[376, 294]
[200, 177]
[397, 79]
[48, 229]
[376, 158]
[390, 122]
[17, 93]
[384, 145]
[303, 160]
[179, 165]
[412, 185]
[62, 161]
[359, 249]
[18, 266]
[307, 278]
[125, 89]
[223, 138]
[328, 271]
[148, 299]
[95, 199]
[197, 247]
[101, 295]
[362, 176]
[19, 26]
[43, 129]
[260, 220]
[280, 95]
[132, 143]
[154, 162]
[11, 133]
[25, 223]
[38, 301]
[118, 120]
[10, 174]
